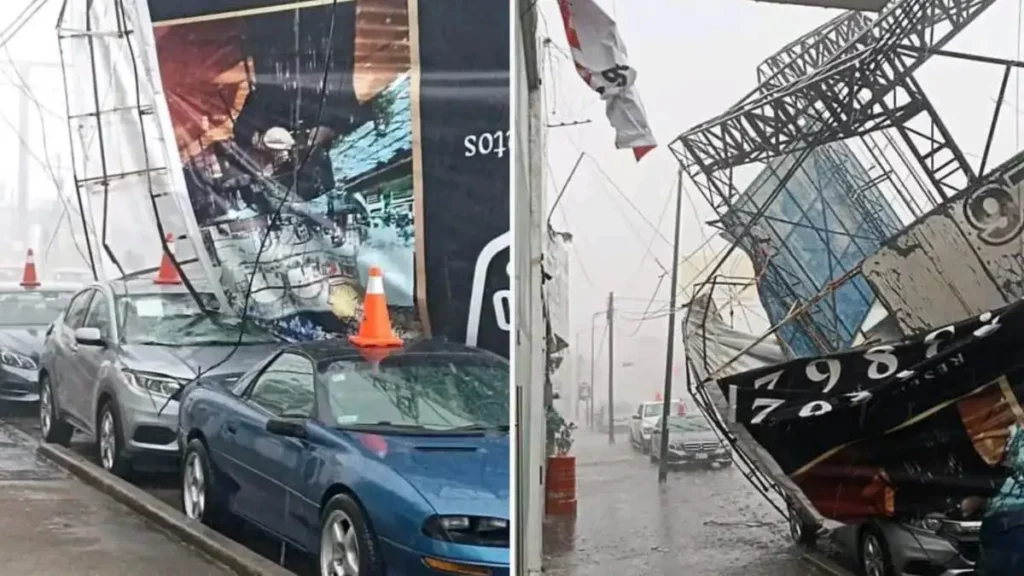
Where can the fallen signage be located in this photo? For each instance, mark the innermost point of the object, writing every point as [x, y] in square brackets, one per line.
[896, 430]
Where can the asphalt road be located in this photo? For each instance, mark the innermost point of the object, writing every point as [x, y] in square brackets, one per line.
[164, 486]
[699, 523]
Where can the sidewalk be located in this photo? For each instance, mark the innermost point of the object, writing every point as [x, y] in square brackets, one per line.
[51, 523]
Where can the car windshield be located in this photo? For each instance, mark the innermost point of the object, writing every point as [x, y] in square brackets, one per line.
[689, 423]
[651, 410]
[437, 392]
[31, 307]
[176, 320]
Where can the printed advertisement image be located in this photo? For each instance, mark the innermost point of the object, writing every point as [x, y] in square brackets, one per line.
[321, 138]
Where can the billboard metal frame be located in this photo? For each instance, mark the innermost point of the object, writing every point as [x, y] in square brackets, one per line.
[851, 78]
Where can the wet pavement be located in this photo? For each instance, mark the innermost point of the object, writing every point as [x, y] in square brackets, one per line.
[163, 485]
[52, 523]
[705, 522]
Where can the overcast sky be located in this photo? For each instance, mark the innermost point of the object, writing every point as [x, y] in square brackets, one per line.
[694, 59]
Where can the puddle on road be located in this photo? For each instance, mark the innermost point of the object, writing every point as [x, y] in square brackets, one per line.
[19, 461]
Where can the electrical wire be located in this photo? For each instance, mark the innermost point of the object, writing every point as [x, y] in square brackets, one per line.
[20, 21]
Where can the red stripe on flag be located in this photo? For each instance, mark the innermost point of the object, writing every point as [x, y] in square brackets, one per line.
[641, 151]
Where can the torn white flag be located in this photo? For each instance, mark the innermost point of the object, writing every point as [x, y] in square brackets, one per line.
[602, 62]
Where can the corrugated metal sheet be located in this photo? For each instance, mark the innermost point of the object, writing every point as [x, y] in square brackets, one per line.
[961, 259]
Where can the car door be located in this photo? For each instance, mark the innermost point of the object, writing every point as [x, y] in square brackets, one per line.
[266, 461]
[65, 375]
[88, 359]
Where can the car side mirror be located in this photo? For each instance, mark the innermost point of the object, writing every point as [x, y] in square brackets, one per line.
[89, 337]
[291, 427]
[636, 416]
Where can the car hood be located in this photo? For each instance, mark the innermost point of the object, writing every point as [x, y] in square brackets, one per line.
[26, 340]
[185, 362]
[455, 474]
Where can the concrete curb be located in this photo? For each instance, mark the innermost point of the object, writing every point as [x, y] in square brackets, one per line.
[220, 548]
[825, 564]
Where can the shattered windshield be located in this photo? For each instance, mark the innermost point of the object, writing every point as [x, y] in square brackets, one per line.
[435, 392]
[176, 320]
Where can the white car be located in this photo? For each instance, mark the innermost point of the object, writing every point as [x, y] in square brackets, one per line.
[643, 421]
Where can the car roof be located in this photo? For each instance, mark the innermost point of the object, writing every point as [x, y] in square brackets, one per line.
[342, 349]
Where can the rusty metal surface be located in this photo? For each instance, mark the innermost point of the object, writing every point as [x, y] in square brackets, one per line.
[963, 258]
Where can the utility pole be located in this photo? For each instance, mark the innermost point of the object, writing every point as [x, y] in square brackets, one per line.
[611, 368]
[667, 394]
[593, 359]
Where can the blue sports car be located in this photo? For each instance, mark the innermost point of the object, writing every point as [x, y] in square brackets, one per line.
[396, 467]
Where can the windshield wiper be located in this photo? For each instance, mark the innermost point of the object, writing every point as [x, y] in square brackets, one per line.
[480, 428]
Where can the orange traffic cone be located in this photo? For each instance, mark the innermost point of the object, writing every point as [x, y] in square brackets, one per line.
[28, 277]
[376, 327]
[167, 274]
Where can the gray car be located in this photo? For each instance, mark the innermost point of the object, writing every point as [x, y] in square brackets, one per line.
[25, 314]
[935, 545]
[112, 360]
[690, 441]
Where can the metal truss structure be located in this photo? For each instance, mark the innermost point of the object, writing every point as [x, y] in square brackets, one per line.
[851, 79]
[127, 173]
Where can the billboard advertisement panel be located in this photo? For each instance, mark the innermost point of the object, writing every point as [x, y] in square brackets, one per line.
[320, 138]
[828, 217]
[963, 257]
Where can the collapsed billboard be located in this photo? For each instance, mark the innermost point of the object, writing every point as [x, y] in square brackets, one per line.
[962, 258]
[318, 139]
[892, 431]
[829, 215]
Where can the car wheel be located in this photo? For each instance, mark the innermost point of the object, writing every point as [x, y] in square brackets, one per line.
[197, 487]
[646, 447]
[54, 430]
[875, 559]
[799, 531]
[348, 545]
[110, 441]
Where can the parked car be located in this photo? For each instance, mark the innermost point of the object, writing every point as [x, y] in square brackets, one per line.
[621, 417]
[24, 316]
[643, 420]
[690, 441]
[359, 463]
[114, 357]
[935, 545]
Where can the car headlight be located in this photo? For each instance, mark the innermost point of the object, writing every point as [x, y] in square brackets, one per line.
[926, 524]
[472, 530]
[152, 383]
[16, 360]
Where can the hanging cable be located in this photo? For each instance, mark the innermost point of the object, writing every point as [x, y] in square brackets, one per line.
[277, 212]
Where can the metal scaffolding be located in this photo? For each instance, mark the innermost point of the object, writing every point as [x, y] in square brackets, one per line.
[838, 108]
